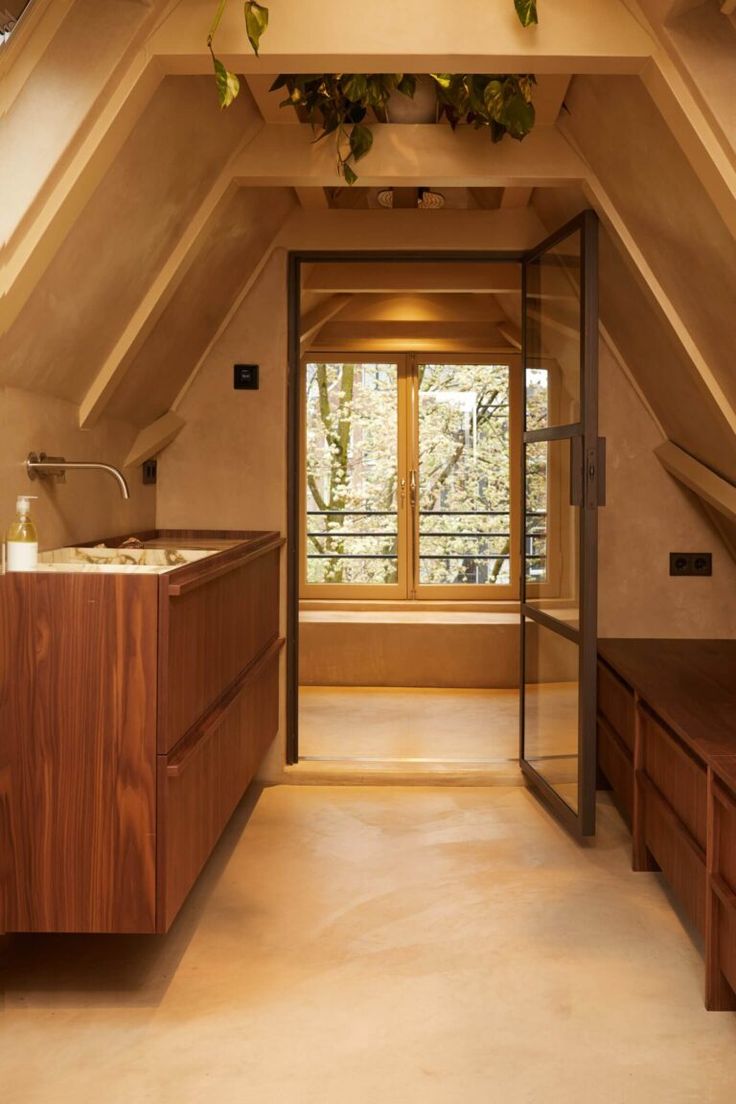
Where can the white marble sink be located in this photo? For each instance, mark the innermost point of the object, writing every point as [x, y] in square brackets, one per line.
[121, 560]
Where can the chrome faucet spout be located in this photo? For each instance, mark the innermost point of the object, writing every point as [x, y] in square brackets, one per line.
[41, 466]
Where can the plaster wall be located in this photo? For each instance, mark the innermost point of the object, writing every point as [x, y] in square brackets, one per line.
[228, 468]
[88, 505]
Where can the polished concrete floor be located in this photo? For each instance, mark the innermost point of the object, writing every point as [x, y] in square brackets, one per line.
[389, 723]
[407, 945]
[439, 725]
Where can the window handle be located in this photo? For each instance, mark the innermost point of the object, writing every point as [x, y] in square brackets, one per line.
[413, 488]
[402, 486]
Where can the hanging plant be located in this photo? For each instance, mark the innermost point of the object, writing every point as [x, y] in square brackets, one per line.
[339, 103]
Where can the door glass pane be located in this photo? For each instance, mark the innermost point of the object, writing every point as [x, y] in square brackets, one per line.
[552, 537]
[551, 708]
[553, 314]
[464, 518]
[352, 473]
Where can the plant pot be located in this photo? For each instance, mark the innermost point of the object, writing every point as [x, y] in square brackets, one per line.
[421, 109]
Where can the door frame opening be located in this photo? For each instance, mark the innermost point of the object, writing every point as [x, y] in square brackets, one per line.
[296, 259]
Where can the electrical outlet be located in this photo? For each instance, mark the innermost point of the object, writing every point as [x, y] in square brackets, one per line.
[691, 563]
[702, 563]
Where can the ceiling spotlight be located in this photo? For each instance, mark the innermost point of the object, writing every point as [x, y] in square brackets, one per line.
[408, 198]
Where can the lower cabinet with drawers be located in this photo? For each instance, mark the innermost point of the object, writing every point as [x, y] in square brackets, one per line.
[135, 709]
[667, 749]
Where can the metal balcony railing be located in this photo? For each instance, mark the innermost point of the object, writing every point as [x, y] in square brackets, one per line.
[479, 563]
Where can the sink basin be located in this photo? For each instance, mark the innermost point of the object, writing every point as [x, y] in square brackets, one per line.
[148, 560]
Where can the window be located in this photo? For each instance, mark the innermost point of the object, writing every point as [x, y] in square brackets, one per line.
[411, 486]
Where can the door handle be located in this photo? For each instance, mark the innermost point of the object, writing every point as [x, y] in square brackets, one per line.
[413, 488]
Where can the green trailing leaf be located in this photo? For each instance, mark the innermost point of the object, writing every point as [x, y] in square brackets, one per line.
[226, 82]
[348, 174]
[407, 85]
[355, 86]
[361, 140]
[256, 21]
[526, 11]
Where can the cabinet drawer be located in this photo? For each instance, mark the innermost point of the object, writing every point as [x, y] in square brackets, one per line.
[617, 765]
[213, 633]
[726, 920]
[204, 778]
[682, 864]
[616, 703]
[725, 834]
[676, 774]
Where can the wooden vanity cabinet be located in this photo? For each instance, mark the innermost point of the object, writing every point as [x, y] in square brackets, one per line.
[667, 747]
[134, 712]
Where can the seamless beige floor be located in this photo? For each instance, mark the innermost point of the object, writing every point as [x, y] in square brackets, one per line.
[408, 946]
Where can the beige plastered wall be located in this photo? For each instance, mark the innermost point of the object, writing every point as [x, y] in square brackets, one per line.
[89, 504]
[227, 468]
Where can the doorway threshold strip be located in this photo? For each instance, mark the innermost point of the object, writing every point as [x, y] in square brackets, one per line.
[408, 759]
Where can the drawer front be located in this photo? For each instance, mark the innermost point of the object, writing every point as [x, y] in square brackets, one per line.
[677, 775]
[200, 785]
[214, 632]
[681, 865]
[617, 766]
[726, 919]
[725, 835]
[616, 703]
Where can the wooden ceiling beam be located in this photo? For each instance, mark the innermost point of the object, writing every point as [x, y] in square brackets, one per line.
[514, 198]
[154, 438]
[483, 38]
[314, 319]
[712, 488]
[421, 155]
[482, 277]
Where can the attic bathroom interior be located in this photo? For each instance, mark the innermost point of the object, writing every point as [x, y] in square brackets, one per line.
[368, 578]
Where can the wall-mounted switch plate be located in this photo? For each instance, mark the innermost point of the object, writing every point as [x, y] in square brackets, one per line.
[245, 377]
[691, 563]
[150, 471]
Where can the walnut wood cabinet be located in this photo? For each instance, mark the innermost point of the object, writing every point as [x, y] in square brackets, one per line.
[134, 712]
[667, 748]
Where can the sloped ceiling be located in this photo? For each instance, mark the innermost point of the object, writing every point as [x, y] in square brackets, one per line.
[140, 271]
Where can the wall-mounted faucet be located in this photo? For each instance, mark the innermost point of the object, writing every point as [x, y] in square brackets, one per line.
[41, 466]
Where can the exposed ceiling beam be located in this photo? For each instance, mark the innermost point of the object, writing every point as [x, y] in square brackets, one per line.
[314, 319]
[513, 198]
[313, 199]
[347, 38]
[549, 96]
[268, 102]
[625, 240]
[512, 334]
[156, 298]
[499, 231]
[154, 438]
[29, 253]
[334, 335]
[417, 155]
[428, 276]
[707, 484]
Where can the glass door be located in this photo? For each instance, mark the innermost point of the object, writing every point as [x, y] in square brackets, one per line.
[562, 482]
[465, 502]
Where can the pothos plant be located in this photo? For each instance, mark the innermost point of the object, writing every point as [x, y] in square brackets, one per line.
[339, 103]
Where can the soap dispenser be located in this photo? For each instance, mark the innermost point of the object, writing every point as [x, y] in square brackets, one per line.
[22, 542]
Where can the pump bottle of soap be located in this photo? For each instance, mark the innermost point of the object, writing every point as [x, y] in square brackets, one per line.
[22, 543]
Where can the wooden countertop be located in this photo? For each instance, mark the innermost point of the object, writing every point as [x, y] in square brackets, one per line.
[691, 685]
